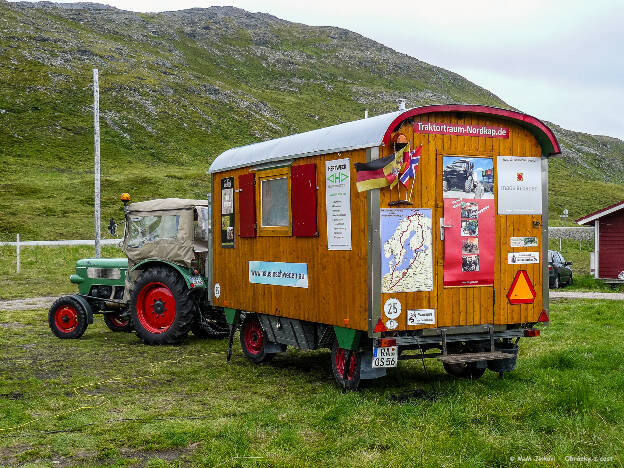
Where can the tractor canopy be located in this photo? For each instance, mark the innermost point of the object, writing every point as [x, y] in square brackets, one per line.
[171, 229]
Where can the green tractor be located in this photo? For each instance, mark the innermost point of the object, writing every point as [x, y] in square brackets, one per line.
[160, 290]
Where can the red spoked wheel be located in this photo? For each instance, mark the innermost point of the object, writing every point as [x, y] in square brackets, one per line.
[339, 358]
[156, 307]
[160, 306]
[117, 322]
[67, 318]
[253, 340]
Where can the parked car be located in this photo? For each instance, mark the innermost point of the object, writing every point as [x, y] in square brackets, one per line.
[559, 271]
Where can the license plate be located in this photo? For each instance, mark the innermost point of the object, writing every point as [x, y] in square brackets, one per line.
[385, 357]
[197, 280]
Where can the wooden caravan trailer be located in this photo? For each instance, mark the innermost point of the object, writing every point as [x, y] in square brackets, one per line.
[315, 245]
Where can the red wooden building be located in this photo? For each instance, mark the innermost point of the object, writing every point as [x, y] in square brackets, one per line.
[608, 256]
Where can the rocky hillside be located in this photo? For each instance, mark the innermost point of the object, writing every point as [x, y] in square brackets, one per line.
[177, 88]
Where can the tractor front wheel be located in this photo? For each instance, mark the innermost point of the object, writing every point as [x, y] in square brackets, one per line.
[67, 318]
[161, 309]
[117, 322]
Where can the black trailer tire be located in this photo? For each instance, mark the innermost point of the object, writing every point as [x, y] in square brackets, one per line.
[67, 318]
[160, 307]
[253, 340]
[338, 362]
[466, 370]
[116, 323]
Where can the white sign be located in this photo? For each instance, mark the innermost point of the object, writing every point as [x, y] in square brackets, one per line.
[523, 241]
[392, 308]
[217, 290]
[522, 258]
[391, 324]
[338, 203]
[519, 185]
[385, 357]
[421, 317]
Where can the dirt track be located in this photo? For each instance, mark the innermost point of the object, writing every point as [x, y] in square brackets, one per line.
[27, 304]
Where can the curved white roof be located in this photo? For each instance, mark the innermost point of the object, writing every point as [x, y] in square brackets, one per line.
[364, 133]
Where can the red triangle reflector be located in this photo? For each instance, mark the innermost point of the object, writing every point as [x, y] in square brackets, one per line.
[380, 327]
[543, 316]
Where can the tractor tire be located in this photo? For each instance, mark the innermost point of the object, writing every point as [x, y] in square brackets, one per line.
[253, 340]
[338, 361]
[468, 185]
[160, 307]
[67, 318]
[115, 322]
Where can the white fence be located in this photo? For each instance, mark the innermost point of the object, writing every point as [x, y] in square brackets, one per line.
[19, 244]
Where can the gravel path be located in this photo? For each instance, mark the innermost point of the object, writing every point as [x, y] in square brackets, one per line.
[586, 295]
[27, 304]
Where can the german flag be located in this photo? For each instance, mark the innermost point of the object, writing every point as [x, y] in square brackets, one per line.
[382, 172]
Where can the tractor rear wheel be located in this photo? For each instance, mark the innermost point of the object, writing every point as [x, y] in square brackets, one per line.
[117, 323]
[339, 360]
[253, 340]
[161, 309]
[67, 318]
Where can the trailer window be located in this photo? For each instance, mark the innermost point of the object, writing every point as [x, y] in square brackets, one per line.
[144, 229]
[273, 195]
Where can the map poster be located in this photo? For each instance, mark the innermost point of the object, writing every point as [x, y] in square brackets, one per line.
[227, 212]
[338, 204]
[469, 242]
[406, 250]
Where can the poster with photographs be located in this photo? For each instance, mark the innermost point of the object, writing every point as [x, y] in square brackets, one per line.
[227, 212]
[468, 177]
[469, 242]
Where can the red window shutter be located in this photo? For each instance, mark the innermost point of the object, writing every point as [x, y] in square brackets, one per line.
[247, 204]
[303, 187]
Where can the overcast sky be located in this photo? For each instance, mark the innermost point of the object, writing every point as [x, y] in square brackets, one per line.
[559, 60]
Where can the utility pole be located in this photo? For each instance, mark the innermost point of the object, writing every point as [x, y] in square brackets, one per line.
[96, 129]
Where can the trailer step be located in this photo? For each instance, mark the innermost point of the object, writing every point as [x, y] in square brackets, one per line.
[474, 357]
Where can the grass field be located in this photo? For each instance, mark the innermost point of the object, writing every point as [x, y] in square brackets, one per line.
[106, 399]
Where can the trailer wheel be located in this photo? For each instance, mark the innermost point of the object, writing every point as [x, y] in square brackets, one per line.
[160, 308]
[338, 359]
[253, 340]
[67, 318]
[117, 323]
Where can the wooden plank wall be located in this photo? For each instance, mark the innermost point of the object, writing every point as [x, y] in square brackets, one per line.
[337, 280]
[338, 283]
[457, 306]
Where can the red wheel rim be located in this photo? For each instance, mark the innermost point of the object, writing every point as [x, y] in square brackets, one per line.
[254, 337]
[156, 307]
[117, 320]
[340, 364]
[66, 319]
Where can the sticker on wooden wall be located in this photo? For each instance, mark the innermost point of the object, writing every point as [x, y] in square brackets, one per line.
[521, 258]
[421, 317]
[392, 308]
[279, 273]
[338, 203]
[523, 242]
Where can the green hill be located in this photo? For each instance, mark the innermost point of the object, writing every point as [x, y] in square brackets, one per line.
[177, 88]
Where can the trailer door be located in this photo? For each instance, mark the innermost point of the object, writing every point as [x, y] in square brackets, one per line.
[467, 220]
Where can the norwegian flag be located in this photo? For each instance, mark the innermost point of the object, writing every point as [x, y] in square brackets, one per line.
[412, 166]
